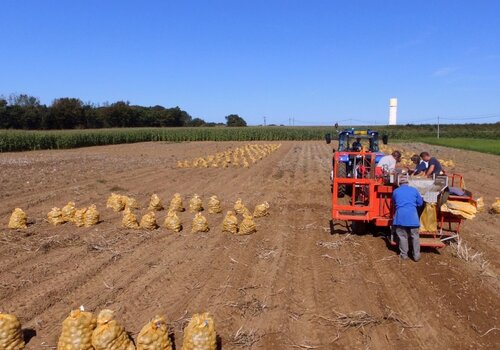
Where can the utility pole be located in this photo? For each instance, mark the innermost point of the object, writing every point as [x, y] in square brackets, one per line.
[264, 120]
[293, 121]
[438, 128]
[289, 121]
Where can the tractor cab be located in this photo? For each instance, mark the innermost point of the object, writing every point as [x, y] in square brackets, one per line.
[351, 140]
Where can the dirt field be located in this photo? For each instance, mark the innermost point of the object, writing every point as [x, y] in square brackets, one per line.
[281, 288]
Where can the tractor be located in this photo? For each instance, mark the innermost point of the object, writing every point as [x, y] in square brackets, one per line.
[368, 190]
[350, 150]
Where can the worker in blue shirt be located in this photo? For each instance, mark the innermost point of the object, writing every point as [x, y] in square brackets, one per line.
[433, 165]
[406, 222]
[420, 165]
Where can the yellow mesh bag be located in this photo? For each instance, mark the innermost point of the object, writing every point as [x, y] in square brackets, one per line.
[130, 202]
[129, 219]
[109, 334]
[200, 224]
[480, 204]
[247, 225]
[154, 336]
[214, 205]
[91, 216]
[11, 335]
[79, 218]
[230, 223]
[428, 219]
[155, 203]
[172, 222]
[77, 331]
[115, 202]
[18, 219]
[55, 216]
[148, 221]
[239, 207]
[176, 203]
[495, 208]
[68, 212]
[200, 333]
[261, 210]
[195, 204]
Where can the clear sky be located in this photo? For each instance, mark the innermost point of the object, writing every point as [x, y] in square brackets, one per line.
[315, 61]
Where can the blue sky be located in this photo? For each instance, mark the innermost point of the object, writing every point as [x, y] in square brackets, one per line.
[314, 61]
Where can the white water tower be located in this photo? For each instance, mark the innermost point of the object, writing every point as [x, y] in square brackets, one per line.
[393, 111]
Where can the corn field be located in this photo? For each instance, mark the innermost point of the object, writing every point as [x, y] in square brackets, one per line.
[17, 140]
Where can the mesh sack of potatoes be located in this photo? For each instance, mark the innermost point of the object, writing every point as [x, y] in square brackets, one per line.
[55, 216]
[129, 219]
[77, 331]
[176, 203]
[155, 203]
[261, 210]
[247, 225]
[480, 204]
[214, 205]
[91, 216]
[148, 221]
[200, 333]
[130, 202]
[154, 335]
[200, 224]
[495, 207]
[172, 222]
[115, 202]
[17, 219]
[230, 223]
[195, 204]
[239, 207]
[68, 212]
[109, 334]
[11, 335]
[79, 218]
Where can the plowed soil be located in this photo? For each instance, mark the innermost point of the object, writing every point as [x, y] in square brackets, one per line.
[291, 285]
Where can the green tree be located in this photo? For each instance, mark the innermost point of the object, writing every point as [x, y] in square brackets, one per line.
[235, 120]
[67, 113]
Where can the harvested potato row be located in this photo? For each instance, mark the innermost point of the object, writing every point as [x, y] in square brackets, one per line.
[239, 157]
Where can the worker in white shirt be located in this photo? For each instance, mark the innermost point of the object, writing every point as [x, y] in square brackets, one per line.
[390, 161]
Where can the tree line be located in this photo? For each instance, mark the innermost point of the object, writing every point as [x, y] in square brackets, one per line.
[26, 112]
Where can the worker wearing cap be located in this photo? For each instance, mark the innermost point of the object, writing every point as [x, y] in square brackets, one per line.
[406, 222]
[390, 160]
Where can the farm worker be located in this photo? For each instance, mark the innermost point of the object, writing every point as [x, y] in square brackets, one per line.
[390, 161]
[420, 165]
[406, 222]
[433, 165]
[356, 145]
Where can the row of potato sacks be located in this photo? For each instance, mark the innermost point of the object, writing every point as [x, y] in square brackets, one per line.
[81, 217]
[239, 157]
[81, 330]
[172, 221]
[406, 157]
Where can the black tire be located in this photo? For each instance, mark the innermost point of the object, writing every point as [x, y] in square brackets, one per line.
[342, 173]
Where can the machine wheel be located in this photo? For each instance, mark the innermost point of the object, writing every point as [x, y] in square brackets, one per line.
[342, 172]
